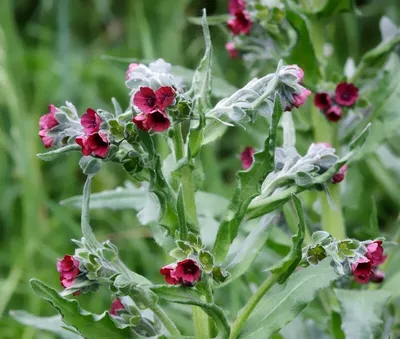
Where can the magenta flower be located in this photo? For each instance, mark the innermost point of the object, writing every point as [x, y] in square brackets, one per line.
[241, 24]
[96, 143]
[377, 277]
[46, 123]
[145, 99]
[322, 100]
[375, 253]
[131, 67]
[231, 49]
[68, 267]
[115, 306]
[334, 113]
[187, 272]
[236, 6]
[339, 176]
[165, 97]
[169, 274]
[346, 94]
[362, 270]
[247, 157]
[157, 121]
[300, 99]
[90, 121]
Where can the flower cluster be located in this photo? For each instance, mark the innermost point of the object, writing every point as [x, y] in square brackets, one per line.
[240, 23]
[365, 268]
[186, 272]
[332, 105]
[68, 267]
[93, 142]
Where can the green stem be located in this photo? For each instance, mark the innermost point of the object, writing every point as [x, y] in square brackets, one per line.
[251, 305]
[210, 300]
[200, 322]
[167, 322]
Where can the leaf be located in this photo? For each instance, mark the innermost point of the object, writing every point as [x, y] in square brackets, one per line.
[180, 208]
[248, 185]
[91, 326]
[288, 264]
[251, 247]
[87, 231]
[284, 302]
[89, 165]
[190, 296]
[334, 7]
[49, 156]
[212, 20]
[52, 324]
[361, 312]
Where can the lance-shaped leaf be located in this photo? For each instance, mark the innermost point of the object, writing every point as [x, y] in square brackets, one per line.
[284, 302]
[247, 187]
[287, 265]
[201, 87]
[91, 326]
[361, 312]
[51, 155]
[190, 296]
[52, 324]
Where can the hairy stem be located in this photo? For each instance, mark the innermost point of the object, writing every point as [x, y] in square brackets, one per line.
[251, 305]
[200, 322]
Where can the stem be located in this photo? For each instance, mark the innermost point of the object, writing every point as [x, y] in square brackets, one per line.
[200, 322]
[167, 322]
[210, 300]
[251, 304]
[85, 217]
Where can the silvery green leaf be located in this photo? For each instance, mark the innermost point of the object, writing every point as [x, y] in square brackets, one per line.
[303, 179]
[117, 107]
[388, 28]
[89, 165]
[319, 236]
[51, 155]
[137, 82]
[237, 113]
[151, 211]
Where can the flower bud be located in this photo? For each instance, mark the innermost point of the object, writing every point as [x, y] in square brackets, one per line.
[334, 113]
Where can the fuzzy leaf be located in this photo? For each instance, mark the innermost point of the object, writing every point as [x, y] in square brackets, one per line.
[251, 247]
[212, 20]
[361, 312]
[51, 155]
[248, 186]
[91, 326]
[334, 7]
[284, 302]
[52, 324]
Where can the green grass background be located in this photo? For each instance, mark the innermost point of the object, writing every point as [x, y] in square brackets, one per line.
[54, 50]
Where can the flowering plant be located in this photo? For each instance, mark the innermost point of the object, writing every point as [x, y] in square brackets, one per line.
[213, 242]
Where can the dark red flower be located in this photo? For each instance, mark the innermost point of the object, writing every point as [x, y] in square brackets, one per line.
[169, 274]
[375, 253]
[377, 277]
[334, 113]
[187, 272]
[247, 157]
[96, 143]
[68, 267]
[165, 97]
[145, 99]
[157, 121]
[46, 123]
[231, 49]
[322, 100]
[346, 94]
[130, 68]
[362, 270]
[241, 24]
[339, 176]
[300, 99]
[115, 306]
[90, 121]
[236, 6]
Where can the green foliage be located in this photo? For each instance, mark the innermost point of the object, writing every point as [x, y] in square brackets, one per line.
[284, 302]
[361, 312]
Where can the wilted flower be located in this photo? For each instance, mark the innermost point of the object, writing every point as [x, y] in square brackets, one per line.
[96, 143]
[362, 270]
[247, 157]
[346, 94]
[169, 274]
[90, 121]
[68, 267]
[334, 113]
[187, 272]
[375, 253]
[115, 306]
[323, 100]
[231, 49]
[339, 176]
[46, 123]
